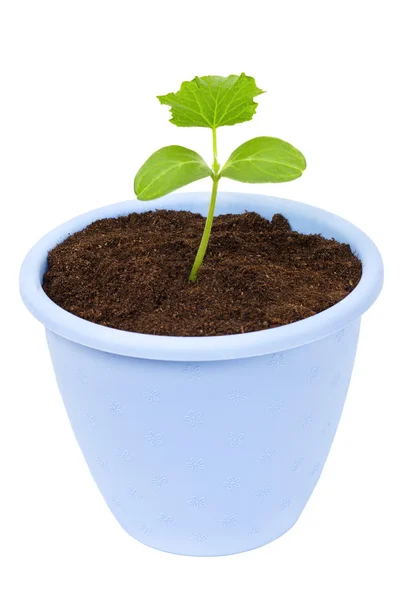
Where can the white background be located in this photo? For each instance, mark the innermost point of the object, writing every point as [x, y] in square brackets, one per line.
[79, 116]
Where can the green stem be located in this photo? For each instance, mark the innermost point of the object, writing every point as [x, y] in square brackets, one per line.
[198, 261]
[215, 165]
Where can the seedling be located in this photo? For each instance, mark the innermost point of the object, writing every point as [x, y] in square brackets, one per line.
[214, 102]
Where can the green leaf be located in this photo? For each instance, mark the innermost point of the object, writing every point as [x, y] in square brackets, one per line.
[167, 170]
[213, 101]
[264, 160]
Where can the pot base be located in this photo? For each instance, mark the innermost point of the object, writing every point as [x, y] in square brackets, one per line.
[231, 552]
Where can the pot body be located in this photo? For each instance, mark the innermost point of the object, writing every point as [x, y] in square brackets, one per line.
[206, 458]
[207, 446]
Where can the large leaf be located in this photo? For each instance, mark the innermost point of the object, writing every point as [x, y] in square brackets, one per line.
[264, 160]
[167, 170]
[213, 101]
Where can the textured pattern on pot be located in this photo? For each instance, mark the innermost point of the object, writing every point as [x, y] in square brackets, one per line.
[207, 446]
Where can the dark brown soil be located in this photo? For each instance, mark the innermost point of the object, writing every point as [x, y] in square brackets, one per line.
[132, 273]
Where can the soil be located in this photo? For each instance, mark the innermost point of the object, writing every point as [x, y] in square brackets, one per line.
[131, 273]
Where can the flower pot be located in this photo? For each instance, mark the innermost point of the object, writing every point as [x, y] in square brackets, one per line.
[207, 446]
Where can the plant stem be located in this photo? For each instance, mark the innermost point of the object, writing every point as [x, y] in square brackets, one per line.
[198, 261]
[215, 165]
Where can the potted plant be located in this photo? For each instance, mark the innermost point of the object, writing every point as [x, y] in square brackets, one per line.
[205, 441]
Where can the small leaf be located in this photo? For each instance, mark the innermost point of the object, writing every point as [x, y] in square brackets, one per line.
[264, 160]
[167, 170]
[213, 101]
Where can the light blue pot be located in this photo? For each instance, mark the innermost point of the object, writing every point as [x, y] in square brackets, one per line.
[207, 446]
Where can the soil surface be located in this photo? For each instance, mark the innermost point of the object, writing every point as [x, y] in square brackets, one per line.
[131, 273]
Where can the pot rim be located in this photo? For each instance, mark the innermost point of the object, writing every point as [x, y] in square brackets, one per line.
[212, 348]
